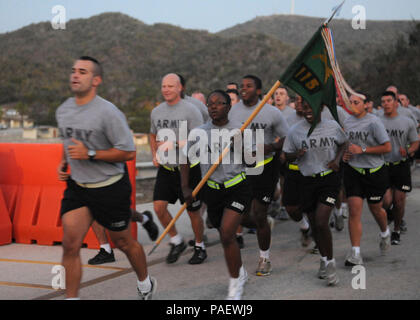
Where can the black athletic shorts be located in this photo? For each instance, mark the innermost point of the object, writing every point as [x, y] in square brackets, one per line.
[371, 186]
[237, 198]
[292, 191]
[264, 184]
[400, 176]
[320, 190]
[109, 206]
[168, 186]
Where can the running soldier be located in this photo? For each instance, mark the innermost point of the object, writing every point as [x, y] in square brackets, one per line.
[97, 141]
[263, 185]
[405, 142]
[365, 175]
[318, 157]
[173, 114]
[227, 192]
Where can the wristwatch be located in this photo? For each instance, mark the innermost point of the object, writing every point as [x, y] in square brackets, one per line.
[91, 154]
[363, 149]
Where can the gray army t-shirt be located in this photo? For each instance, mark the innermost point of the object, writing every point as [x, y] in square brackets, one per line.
[201, 107]
[269, 119]
[321, 146]
[169, 122]
[368, 131]
[327, 115]
[287, 111]
[100, 125]
[401, 132]
[215, 140]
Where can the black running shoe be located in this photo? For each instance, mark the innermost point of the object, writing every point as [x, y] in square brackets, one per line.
[199, 256]
[240, 241]
[395, 238]
[175, 252]
[102, 257]
[150, 226]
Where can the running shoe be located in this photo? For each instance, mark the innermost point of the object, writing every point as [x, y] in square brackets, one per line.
[264, 267]
[305, 237]
[236, 287]
[353, 259]
[148, 295]
[395, 238]
[338, 220]
[175, 252]
[331, 274]
[199, 255]
[315, 250]
[322, 272]
[384, 244]
[102, 257]
[150, 226]
[282, 215]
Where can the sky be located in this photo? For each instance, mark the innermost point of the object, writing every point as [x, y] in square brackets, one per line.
[210, 15]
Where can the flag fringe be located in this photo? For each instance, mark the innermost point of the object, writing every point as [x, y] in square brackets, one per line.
[342, 85]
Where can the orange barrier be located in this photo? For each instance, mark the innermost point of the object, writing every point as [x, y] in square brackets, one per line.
[5, 223]
[32, 192]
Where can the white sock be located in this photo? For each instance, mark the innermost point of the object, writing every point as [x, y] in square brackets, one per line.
[303, 224]
[343, 205]
[324, 259]
[356, 250]
[329, 261]
[265, 254]
[386, 233]
[241, 271]
[145, 219]
[240, 234]
[145, 285]
[106, 247]
[339, 212]
[176, 240]
[200, 244]
[76, 298]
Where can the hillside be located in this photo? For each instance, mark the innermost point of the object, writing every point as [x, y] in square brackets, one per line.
[36, 60]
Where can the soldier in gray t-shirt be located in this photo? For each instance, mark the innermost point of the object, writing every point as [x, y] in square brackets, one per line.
[274, 125]
[365, 175]
[405, 142]
[227, 192]
[318, 157]
[170, 124]
[96, 142]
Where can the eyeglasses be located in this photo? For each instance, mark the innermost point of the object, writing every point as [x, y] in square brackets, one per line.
[217, 104]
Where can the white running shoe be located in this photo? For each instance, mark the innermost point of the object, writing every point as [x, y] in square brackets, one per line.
[236, 287]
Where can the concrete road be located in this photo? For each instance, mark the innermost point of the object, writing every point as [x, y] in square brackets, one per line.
[26, 270]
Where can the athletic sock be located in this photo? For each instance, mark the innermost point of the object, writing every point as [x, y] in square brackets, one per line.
[339, 212]
[145, 219]
[240, 234]
[329, 261]
[145, 285]
[176, 240]
[106, 247]
[303, 224]
[265, 254]
[356, 250]
[386, 233]
[200, 244]
[324, 259]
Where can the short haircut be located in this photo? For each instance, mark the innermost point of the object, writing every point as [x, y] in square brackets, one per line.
[389, 93]
[232, 91]
[257, 81]
[222, 93]
[235, 84]
[97, 68]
